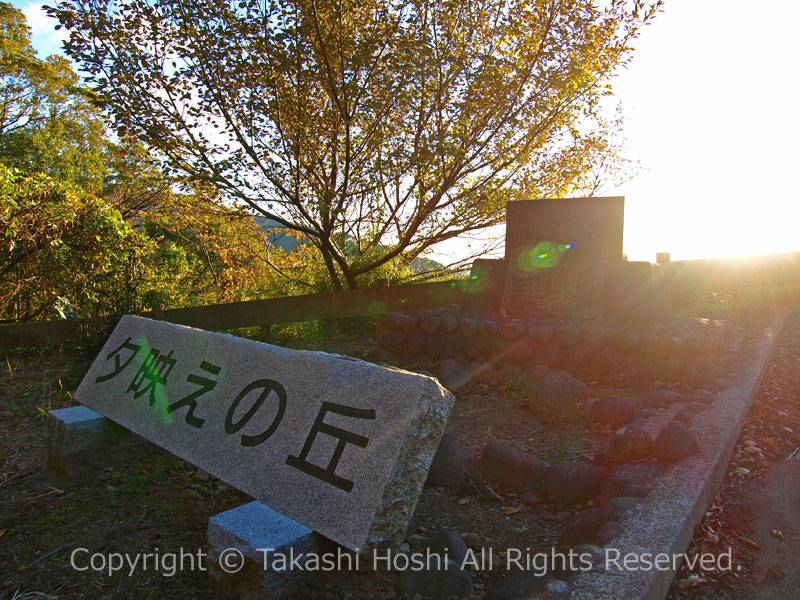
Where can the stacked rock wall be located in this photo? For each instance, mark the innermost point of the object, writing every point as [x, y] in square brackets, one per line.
[688, 351]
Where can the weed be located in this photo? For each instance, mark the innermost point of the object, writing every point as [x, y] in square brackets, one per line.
[569, 443]
[52, 396]
[11, 370]
[520, 527]
[163, 514]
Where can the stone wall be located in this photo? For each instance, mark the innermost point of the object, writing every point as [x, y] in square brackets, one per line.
[692, 352]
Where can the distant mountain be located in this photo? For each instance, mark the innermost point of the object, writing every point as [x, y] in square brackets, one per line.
[277, 234]
[278, 237]
[422, 265]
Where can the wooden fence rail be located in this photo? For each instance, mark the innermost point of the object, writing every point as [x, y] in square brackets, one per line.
[682, 277]
[311, 307]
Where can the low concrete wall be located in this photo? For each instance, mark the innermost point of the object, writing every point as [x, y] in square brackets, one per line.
[682, 496]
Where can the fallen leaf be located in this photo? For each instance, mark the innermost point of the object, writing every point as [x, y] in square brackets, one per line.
[749, 542]
[509, 510]
[694, 580]
[777, 533]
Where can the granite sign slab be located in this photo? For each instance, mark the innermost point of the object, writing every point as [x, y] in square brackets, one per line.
[337, 444]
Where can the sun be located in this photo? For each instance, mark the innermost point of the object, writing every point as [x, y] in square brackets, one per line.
[714, 125]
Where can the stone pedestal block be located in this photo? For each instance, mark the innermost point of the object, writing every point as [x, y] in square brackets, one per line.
[82, 442]
[251, 552]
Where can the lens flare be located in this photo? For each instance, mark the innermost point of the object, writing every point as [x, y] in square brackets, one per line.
[544, 255]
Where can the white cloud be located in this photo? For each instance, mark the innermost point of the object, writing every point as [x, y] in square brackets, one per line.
[44, 37]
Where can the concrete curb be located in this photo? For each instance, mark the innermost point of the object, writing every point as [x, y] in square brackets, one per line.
[683, 494]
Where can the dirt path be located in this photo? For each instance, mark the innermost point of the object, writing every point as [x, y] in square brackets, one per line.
[756, 513]
[774, 503]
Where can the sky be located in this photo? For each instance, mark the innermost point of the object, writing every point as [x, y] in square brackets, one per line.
[710, 102]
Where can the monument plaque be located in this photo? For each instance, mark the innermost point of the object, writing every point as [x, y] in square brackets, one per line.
[583, 230]
[337, 444]
[557, 251]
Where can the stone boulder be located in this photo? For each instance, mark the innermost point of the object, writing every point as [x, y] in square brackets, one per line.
[453, 376]
[468, 327]
[515, 470]
[409, 324]
[435, 347]
[623, 507]
[393, 320]
[521, 352]
[488, 328]
[675, 442]
[572, 359]
[696, 407]
[481, 372]
[610, 531]
[430, 324]
[454, 345]
[512, 331]
[474, 349]
[528, 585]
[575, 482]
[589, 554]
[556, 392]
[541, 334]
[548, 355]
[449, 543]
[510, 377]
[704, 396]
[631, 443]
[393, 342]
[585, 527]
[535, 372]
[614, 411]
[632, 479]
[567, 336]
[669, 397]
[452, 464]
[415, 344]
[625, 340]
[594, 336]
[449, 325]
[442, 580]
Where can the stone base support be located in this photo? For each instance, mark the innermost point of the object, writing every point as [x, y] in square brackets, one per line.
[248, 546]
[82, 442]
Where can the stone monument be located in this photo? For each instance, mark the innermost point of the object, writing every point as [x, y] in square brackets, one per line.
[337, 444]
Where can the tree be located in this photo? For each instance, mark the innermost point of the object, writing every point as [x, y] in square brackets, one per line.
[47, 122]
[375, 128]
[61, 249]
[89, 226]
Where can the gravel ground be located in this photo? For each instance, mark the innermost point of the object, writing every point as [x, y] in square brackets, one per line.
[164, 502]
